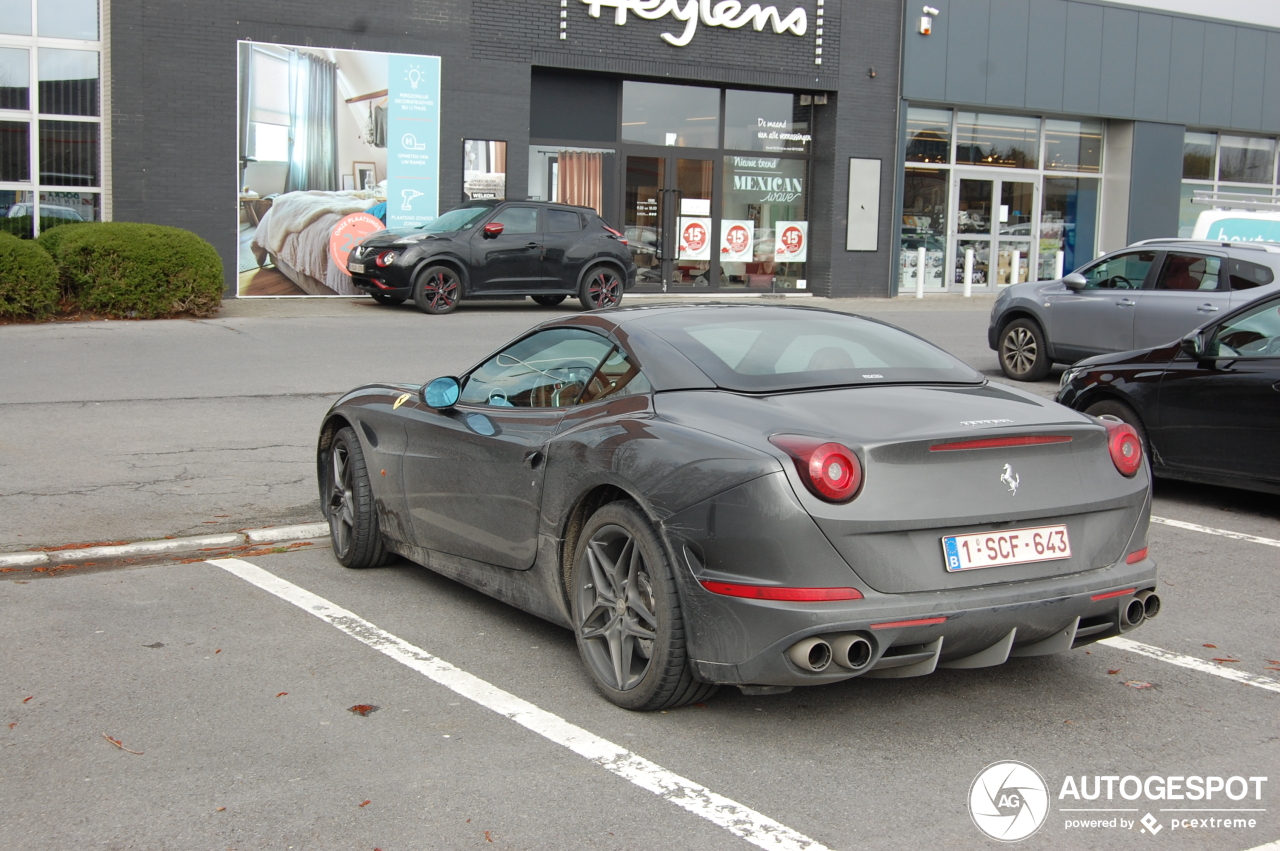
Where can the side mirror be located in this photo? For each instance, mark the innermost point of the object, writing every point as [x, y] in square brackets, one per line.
[492, 229]
[1075, 281]
[441, 393]
[1193, 345]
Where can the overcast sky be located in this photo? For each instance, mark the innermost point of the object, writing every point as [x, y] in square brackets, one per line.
[1263, 12]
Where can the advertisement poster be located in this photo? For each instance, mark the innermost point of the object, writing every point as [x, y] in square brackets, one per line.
[695, 238]
[792, 242]
[737, 240]
[333, 144]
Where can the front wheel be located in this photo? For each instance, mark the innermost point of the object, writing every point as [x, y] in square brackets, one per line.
[1023, 355]
[627, 616]
[437, 290]
[601, 288]
[549, 300]
[349, 505]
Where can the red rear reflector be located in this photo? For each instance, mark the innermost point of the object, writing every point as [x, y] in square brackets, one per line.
[1107, 596]
[997, 442]
[1136, 556]
[897, 624]
[772, 592]
[829, 470]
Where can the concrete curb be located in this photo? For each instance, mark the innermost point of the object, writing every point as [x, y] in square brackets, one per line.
[170, 545]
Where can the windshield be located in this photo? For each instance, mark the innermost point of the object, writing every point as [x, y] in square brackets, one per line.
[460, 218]
[765, 350]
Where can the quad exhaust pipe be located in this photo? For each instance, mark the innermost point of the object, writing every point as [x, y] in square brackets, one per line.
[1150, 603]
[1133, 613]
[853, 651]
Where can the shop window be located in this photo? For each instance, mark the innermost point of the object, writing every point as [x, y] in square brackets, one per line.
[15, 78]
[766, 121]
[764, 229]
[484, 170]
[16, 210]
[1073, 145]
[69, 153]
[679, 116]
[15, 17]
[1197, 155]
[1245, 159]
[924, 224]
[1068, 220]
[69, 19]
[15, 151]
[68, 81]
[570, 175]
[928, 135]
[1008, 141]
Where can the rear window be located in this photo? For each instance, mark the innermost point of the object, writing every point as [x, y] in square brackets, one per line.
[767, 350]
[1246, 275]
[563, 221]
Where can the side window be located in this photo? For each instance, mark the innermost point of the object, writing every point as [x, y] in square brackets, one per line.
[1246, 275]
[1122, 272]
[518, 220]
[1255, 334]
[617, 376]
[563, 221]
[549, 369]
[1189, 272]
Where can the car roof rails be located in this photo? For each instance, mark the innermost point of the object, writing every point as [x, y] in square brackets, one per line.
[1270, 248]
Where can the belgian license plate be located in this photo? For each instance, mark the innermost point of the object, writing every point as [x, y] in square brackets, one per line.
[356, 267]
[1010, 546]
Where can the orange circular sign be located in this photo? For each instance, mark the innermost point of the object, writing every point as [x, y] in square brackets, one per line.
[350, 231]
[791, 241]
[695, 237]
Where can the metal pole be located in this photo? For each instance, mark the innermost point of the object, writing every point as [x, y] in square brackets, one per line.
[1057, 265]
[921, 257]
[968, 273]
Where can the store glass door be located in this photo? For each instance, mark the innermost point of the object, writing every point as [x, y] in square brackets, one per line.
[994, 218]
[667, 212]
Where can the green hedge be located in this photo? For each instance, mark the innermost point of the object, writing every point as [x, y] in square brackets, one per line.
[132, 270]
[51, 238]
[28, 279]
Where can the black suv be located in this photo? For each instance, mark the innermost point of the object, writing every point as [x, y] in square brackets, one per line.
[497, 248]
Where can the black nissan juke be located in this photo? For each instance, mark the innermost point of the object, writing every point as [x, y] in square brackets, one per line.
[492, 248]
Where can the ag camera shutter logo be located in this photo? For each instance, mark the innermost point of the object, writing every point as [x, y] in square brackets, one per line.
[1008, 801]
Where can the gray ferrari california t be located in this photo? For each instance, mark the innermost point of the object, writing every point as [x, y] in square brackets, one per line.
[766, 497]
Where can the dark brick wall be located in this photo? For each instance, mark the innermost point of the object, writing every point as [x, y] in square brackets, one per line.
[173, 116]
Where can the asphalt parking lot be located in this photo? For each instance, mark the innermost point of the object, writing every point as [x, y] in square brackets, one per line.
[233, 680]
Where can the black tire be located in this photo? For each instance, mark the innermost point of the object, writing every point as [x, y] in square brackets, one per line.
[1125, 414]
[620, 549]
[437, 290]
[601, 288]
[386, 299]
[549, 300]
[1022, 351]
[348, 504]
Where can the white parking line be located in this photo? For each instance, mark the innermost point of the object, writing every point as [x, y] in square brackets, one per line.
[756, 828]
[1209, 530]
[1270, 846]
[1193, 663]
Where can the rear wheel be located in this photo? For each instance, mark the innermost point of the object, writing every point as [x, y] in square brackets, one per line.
[348, 505]
[627, 616]
[1023, 355]
[437, 290]
[549, 300]
[601, 288]
[386, 299]
[1125, 414]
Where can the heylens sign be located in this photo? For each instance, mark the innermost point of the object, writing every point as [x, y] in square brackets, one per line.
[712, 13]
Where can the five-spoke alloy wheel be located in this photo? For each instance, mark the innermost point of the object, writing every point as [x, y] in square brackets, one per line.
[437, 290]
[626, 613]
[348, 504]
[601, 288]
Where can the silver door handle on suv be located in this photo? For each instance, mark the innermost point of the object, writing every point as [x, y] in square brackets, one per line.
[1126, 302]
[1207, 308]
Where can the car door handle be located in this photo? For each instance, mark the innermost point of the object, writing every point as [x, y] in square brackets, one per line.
[531, 245]
[1207, 308]
[533, 460]
[1125, 302]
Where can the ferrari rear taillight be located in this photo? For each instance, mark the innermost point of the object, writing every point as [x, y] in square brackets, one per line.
[1125, 447]
[620, 237]
[829, 470]
[386, 258]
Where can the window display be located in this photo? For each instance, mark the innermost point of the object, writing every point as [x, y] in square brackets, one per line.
[572, 175]
[924, 225]
[1068, 221]
[768, 194]
[766, 121]
[484, 170]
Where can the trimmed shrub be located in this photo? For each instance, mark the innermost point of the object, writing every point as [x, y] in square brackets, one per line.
[28, 279]
[51, 237]
[133, 270]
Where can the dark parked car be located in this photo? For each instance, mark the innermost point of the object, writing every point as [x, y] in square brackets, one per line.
[495, 248]
[760, 496]
[1207, 406]
[1145, 295]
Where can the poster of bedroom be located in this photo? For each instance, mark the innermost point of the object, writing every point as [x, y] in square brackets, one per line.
[326, 139]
